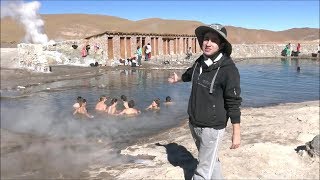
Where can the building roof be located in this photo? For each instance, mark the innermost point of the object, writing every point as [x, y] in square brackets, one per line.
[138, 33]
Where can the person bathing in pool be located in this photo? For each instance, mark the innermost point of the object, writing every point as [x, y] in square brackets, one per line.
[112, 109]
[82, 110]
[168, 101]
[131, 110]
[101, 106]
[125, 102]
[77, 104]
[155, 105]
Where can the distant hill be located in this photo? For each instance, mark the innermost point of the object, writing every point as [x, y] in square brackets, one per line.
[76, 26]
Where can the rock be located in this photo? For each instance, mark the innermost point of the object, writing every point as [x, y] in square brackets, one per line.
[313, 147]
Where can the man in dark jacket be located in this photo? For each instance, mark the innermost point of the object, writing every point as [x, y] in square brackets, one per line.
[215, 97]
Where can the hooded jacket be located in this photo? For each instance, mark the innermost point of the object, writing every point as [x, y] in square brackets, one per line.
[215, 94]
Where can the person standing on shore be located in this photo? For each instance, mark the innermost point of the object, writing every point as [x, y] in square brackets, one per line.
[189, 53]
[139, 55]
[215, 97]
[148, 52]
[298, 48]
[288, 48]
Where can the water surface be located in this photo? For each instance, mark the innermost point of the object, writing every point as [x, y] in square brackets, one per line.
[47, 108]
[68, 144]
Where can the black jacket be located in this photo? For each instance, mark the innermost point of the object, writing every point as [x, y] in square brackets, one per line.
[212, 109]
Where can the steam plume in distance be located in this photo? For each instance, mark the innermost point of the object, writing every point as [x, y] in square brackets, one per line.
[27, 15]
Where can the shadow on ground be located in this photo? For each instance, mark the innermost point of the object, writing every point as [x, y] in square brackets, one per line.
[179, 156]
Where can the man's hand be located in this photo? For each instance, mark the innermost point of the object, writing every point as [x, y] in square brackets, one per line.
[174, 78]
[235, 136]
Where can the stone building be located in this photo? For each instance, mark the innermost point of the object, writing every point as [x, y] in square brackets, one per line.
[108, 47]
[116, 45]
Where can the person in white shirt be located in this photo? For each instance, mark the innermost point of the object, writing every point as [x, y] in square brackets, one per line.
[148, 52]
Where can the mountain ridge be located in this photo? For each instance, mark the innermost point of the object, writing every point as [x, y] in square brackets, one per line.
[78, 26]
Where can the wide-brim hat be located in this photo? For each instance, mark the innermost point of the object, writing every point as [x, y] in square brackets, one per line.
[218, 28]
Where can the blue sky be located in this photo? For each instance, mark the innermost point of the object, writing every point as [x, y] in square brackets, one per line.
[271, 15]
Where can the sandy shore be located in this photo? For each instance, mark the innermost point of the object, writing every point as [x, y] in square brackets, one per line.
[269, 138]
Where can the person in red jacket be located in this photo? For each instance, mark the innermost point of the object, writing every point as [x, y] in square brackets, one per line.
[298, 48]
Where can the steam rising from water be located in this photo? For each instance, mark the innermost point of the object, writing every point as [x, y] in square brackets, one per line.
[57, 143]
[27, 15]
[51, 141]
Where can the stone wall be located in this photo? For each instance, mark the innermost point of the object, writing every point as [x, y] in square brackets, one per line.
[269, 50]
[102, 41]
[30, 56]
[39, 57]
